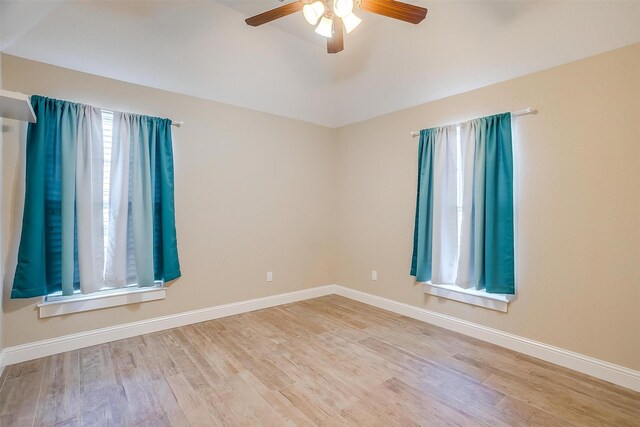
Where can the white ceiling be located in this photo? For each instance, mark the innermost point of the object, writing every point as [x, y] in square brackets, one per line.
[204, 48]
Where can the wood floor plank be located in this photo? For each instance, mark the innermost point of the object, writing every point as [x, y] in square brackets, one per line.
[100, 402]
[20, 393]
[59, 401]
[215, 355]
[243, 353]
[328, 361]
[158, 360]
[522, 413]
[167, 404]
[603, 392]
[418, 346]
[3, 376]
[319, 409]
[578, 380]
[426, 409]
[259, 411]
[137, 387]
[285, 409]
[189, 359]
[191, 401]
[571, 406]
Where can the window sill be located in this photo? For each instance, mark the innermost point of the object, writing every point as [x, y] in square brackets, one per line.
[97, 301]
[498, 302]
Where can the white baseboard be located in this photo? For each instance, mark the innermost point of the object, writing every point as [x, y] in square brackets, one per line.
[588, 365]
[34, 350]
[616, 374]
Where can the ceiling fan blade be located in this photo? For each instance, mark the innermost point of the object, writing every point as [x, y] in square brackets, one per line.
[274, 14]
[395, 9]
[335, 44]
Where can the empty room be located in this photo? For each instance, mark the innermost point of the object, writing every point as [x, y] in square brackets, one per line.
[319, 213]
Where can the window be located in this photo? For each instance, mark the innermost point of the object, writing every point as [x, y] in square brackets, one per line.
[107, 138]
[65, 220]
[463, 246]
[497, 302]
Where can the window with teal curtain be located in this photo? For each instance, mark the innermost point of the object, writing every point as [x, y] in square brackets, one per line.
[481, 201]
[63, 213]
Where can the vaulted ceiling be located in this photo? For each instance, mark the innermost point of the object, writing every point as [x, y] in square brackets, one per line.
[204, 48]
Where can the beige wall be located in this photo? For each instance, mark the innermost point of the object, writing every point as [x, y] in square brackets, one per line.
[254, 193]
[578, 204]
[259, 193]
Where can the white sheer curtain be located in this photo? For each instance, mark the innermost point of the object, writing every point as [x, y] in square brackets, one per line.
[445, 234]
[88, 199]
[116, 263]
[466, 264]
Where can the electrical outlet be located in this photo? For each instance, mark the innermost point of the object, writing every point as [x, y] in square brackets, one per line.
[269, 276]
[374, 275]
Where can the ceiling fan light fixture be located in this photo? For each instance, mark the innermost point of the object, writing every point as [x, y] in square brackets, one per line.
[342, 7]
[350, 22]
[325, 28]
[333, 18]
[313, 11]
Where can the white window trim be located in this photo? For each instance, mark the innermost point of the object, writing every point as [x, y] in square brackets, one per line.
[498, 302]
[102, 299]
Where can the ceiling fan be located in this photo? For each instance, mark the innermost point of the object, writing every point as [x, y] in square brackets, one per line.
[336, 16]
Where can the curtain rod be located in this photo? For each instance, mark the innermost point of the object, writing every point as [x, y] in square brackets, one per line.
[173, 122]
[528, 110]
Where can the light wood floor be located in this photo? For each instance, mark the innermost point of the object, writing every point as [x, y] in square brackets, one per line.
[327, 361]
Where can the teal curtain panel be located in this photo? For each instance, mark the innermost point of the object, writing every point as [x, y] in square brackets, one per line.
[165, 243]
[421, 262]
[47, 258]
[494, 229]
